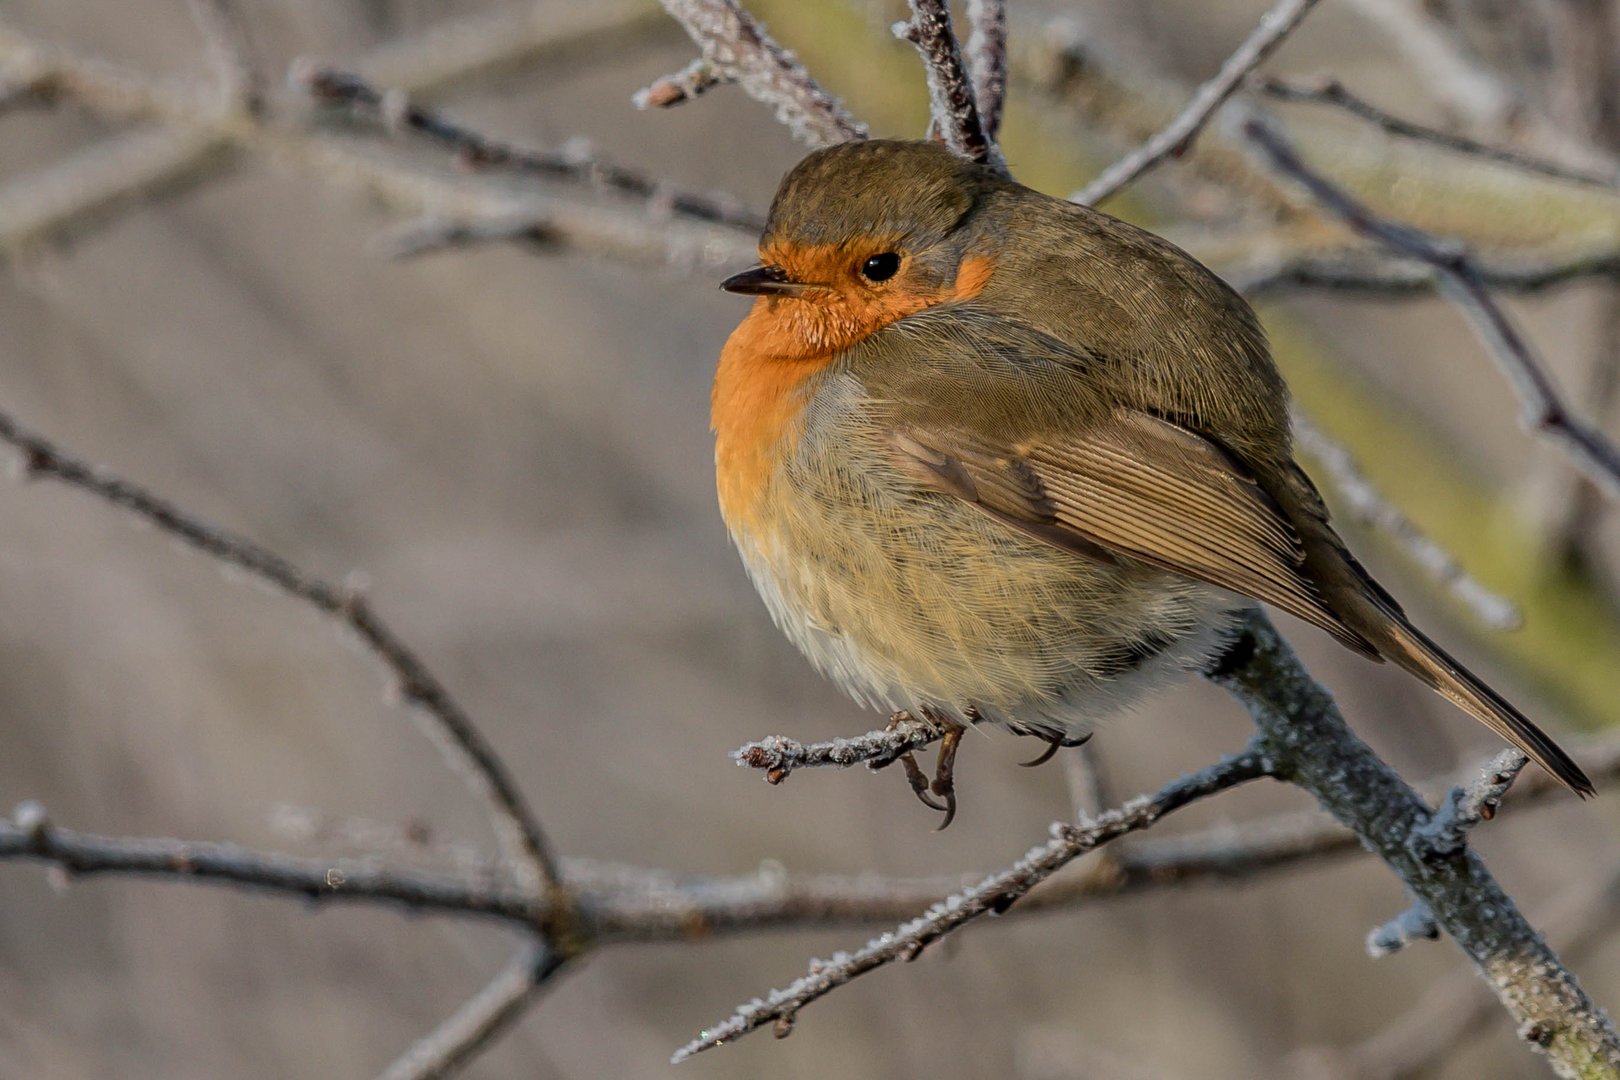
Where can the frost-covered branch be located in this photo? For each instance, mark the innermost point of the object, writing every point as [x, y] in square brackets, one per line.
[995, 894]
[953, 100]
[737, 49]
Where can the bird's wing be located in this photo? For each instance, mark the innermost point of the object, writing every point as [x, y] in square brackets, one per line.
[1137, 486]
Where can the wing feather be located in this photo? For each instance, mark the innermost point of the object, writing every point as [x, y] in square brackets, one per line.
[1141, 487]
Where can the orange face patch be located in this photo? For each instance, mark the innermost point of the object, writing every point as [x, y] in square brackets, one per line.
[785, 340]
[843, 308]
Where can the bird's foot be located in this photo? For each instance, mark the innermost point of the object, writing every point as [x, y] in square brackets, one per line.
[938, 793]
[1053, 745]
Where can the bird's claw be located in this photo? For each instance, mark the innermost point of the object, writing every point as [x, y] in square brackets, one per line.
[939, 793]
[1053, 745]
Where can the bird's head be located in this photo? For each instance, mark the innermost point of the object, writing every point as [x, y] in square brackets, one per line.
[861, 235]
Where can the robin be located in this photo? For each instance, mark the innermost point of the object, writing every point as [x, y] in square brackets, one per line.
[991, 456]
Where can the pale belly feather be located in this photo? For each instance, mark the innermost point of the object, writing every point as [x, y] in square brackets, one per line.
[909, 598]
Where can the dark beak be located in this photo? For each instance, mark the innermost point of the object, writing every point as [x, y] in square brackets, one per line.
[763, 281]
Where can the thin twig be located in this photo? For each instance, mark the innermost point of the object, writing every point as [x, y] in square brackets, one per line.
[484, 1018]
[693, 80]
[1369, 507]
[739, 49]
[1416, 923]
[475, 151]
[986, 56]
[779, 755]
[1333, 92]
[1544, 411]
[1177, 136]
[994, 894]
[953, 104]
[1370, 273]
[1465, 806]
[451, 729]
[1087, 780]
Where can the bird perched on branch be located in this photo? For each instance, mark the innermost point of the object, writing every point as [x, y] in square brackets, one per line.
[991, 456]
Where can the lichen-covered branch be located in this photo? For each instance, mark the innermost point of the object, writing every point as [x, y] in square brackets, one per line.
[1314, 749]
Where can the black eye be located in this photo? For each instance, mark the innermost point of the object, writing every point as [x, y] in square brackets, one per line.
[881, 267]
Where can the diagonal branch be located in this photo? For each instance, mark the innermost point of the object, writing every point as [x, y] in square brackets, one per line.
[1176, 137]
[995, 894]
[1366, 505]
[738, 49]
[477, 152]
[449, 726]
[484, 1018]
[1461, 280]
[1316, 751]
[1335, 93]
[953, 103]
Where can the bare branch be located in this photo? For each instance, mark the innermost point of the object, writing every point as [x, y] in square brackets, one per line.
[986, 55]
[739, 49]
[1465, 806]
[1314, 749]
[483, 1019]
[994, 894]
[693, 80]
[1366, 505]
[450, 728]
[230, 53]
[779, 755]
[431, 233]
[1333, 92]
[1177, 136]
[1459, 1004]
[1545, 413]
[952, 98]
[476, 152]
[1369, 273]
[618, 903]
[1414, 924]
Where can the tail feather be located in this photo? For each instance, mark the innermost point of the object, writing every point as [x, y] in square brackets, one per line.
[1406, 646]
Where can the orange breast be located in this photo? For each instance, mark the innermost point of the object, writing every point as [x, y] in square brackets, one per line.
[759, 392]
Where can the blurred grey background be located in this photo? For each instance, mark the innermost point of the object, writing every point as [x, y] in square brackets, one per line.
[513, 450]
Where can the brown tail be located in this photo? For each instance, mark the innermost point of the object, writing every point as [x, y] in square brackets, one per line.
[1406, 646]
